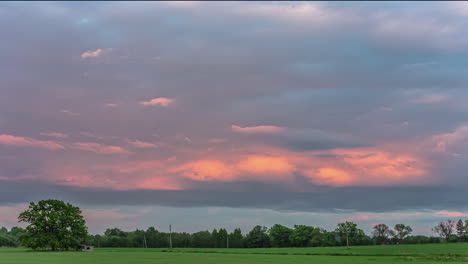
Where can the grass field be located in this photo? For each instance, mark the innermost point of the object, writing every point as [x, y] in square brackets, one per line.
[431, 253]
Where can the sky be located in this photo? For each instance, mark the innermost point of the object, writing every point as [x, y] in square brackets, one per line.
[235, 114]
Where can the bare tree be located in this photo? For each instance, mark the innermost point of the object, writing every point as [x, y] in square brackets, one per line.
[382, 232]
[461, 230]
[445, 229]
[401, 231]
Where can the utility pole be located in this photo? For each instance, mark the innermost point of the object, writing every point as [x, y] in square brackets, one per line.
[227, 241]
[145, 245]
[170, 236]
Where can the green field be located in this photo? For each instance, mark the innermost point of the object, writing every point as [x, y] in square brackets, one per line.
[430, 253]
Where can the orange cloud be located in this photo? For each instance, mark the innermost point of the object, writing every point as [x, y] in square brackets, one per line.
[207, 170]
[331, 176]
[265, 165]
[157, 183]
[254, 167]
[28, 142]
[100, 149]
[380, 165]
[384, 167]
[258, 129]
[160, 101]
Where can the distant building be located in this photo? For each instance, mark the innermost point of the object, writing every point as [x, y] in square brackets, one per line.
[86, 248]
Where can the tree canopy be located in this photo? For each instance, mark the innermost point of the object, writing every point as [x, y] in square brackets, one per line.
[54, 225]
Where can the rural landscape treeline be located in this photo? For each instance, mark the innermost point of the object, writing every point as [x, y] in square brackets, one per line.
[55, 225]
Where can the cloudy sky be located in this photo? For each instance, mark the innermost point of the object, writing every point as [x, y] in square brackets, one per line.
[229, 114]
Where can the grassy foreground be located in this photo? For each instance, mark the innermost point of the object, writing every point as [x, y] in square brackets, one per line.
[432, 253]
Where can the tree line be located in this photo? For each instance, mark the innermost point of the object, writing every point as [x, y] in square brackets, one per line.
[345, 234]
[56, 225]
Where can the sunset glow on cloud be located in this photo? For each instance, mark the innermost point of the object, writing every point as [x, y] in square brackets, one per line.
[99, 148]
[94, 53]
[257, 129]
[160, 101]
[305, 107]
[10, 140]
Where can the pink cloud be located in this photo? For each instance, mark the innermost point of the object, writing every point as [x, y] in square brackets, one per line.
[157, 183]
[99, 148]
[310, 14]
[216, 140]
[97, 219]
[94, 53]
[29, 142]
[54, 134]
[139, 166]
[126, 176]
[430, 99]
[160, 101]
[142, 144]
[68, 112]
[90, 135]
[358, 217]
[450, 214]
[451, 142]
[258, 129]
[9, 215]
[459, 8]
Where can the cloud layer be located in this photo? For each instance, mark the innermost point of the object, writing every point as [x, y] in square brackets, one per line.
[307, 106]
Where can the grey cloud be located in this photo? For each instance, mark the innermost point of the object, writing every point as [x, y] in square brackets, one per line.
[306, 139]
[322, 199]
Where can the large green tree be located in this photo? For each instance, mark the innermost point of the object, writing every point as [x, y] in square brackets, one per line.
[202, 239]
[236, 239]
[301, 235]
[54, 225]
[279, 235]
[222, 238]
[257, 238]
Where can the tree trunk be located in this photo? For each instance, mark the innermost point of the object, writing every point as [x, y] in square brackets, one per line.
[347, 241]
